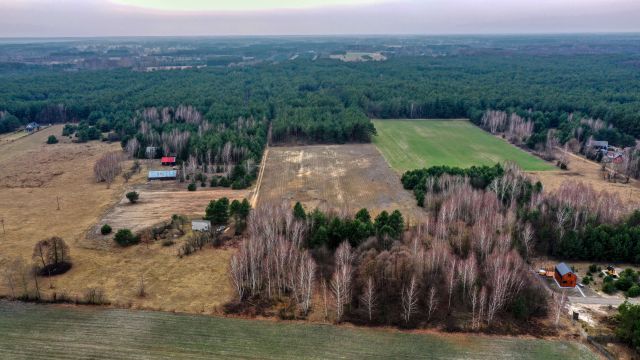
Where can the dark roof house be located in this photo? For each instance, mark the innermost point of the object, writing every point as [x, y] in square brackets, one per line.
[34, 126]
[565, 276]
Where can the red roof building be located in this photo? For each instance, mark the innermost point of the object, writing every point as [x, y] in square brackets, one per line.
[168, 160]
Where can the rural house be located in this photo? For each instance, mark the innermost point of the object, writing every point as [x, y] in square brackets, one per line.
[163, 175]
[564, 276]
[31, 127]
[150, 152]
[599, 145]
[200, 225]
[168, 160]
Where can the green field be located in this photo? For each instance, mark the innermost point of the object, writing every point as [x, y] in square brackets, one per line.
[414, 144]
[52, 332]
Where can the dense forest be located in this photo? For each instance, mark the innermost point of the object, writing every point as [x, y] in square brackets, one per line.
[330, 101]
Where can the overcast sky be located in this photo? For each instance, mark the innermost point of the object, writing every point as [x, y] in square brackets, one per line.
[40, 18]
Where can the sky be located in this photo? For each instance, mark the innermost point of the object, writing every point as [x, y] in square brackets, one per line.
[58, 18]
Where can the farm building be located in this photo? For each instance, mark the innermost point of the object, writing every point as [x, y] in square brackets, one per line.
[163, 175]
[565, 276]
[31, 127]
[168, 160]
[150, 152]
[200, 225]
[599, 145]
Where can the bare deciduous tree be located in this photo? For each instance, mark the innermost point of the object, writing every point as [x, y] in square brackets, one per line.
[410, 299]
[107, 168]
[368, 297]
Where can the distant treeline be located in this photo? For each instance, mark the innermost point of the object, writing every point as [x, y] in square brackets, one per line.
[331, 101]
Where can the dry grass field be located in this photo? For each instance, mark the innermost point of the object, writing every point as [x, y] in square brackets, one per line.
[158, 202]
[589, 172]
[341, 177]
[34, 174]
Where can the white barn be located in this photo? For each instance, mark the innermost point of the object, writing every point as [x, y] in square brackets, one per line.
[200, 225]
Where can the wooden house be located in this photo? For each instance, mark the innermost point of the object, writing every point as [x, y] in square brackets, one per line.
[565, 276]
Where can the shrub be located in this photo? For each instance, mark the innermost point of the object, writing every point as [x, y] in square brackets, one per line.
[593, 268]
[94, 296]
[167, 242]
[224, 182]
[214, 182]
[133, 196]
[191, 187]
[51, 257]
[586, 280]
[105, 229]
[628, 324]
[239, 184]
[624, 283]
[634, 291]
[608, 288]
[124, 237]
[52, 139]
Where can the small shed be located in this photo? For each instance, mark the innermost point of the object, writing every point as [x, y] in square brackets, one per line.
[599, 145]
[168, 160]
[150, 152]
[200, 225]
[163, 175]
[565, 276]
[31, 127]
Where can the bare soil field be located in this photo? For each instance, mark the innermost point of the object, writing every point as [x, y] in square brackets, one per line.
[33, 174]
[589, 172]
[340, 177]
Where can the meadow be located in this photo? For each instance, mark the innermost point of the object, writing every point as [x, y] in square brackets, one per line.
[58, 332]
[413, 144]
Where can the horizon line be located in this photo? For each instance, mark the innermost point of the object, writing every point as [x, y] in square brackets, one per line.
[327, 35]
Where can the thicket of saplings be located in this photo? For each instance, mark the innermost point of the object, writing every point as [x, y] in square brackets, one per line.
[574, 222]
[463, 268]
[627, 324]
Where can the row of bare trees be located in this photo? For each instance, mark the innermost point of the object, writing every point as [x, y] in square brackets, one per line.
[271, 263]
[516, 128]
[462, 259]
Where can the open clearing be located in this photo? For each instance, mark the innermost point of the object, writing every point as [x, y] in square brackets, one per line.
[159, 201]
[34, 174]
[339, 177]
[94, 333]
[415, 144]
[352, 56]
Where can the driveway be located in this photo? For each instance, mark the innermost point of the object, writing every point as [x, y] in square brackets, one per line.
[600, 300]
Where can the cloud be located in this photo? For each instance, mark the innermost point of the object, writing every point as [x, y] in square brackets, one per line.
[40, 18]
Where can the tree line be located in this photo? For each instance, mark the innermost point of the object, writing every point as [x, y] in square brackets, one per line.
[330, 101]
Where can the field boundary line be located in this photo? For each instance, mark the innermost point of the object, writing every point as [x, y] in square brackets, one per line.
[263, 164]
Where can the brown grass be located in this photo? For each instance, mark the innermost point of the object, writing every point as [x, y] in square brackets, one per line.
[340, 177]
[589, 172]
[34, 174]
[159, 201]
